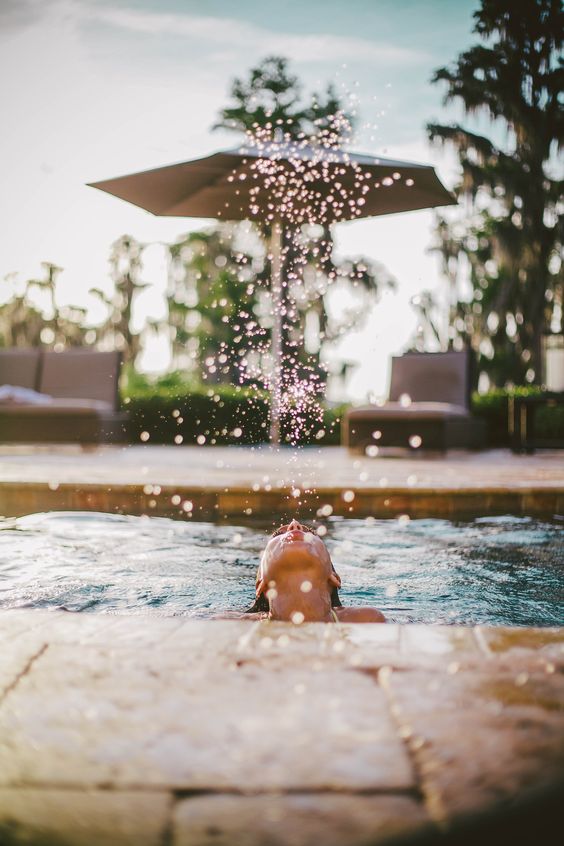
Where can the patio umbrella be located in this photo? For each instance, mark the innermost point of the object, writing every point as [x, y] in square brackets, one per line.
[283, 185]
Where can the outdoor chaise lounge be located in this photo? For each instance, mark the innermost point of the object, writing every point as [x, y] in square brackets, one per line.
[68, 396]
[429, 407]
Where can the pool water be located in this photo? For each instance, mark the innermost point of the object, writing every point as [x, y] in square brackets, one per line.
[493, 570]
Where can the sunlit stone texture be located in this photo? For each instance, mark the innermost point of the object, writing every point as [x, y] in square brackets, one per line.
[82, 818]
[187, 720]
[307, 820]
[132, 729]
[113, 480]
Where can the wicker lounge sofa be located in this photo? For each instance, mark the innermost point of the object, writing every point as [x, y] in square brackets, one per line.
[69, 396]
[428, 407]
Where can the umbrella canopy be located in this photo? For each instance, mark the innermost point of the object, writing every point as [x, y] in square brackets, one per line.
[225, 185]
[282, 185]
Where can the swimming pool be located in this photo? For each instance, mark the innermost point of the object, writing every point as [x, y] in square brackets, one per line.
[494, 570]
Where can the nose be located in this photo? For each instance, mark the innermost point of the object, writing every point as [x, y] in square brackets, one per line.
[294, 525]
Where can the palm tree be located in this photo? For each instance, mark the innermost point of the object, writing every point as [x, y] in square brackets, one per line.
[24, 324]
[511, 238]
[125, 266]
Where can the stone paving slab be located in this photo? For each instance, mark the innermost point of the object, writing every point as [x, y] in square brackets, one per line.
[243, 482]
[534, 650]
[71, 818]
[292, 734]
[312, 467]
[129, 718]
[306, 820]
[482, 737]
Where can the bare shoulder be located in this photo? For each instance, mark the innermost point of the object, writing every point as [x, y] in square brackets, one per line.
[359, 615]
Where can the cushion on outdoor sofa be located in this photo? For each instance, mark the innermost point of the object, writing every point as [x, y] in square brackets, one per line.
[81, 374]
[397, 411]
[432, 377]
[65, 406]
[19, 367]
[429, 396]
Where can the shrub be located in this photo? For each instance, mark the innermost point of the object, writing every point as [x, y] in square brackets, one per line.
[171, 411]
[493, 407]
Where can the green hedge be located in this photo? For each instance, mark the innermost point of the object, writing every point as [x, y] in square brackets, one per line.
[170, 408]
[493, 407]
[221, 415]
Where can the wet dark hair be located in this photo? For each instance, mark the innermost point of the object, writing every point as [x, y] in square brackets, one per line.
[260, 605]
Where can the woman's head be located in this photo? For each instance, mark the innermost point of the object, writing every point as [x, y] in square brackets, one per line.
[296, 576]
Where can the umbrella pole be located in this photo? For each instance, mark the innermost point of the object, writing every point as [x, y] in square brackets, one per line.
[276, 347]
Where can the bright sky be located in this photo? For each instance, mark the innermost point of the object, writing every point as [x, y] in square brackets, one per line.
[96, 89]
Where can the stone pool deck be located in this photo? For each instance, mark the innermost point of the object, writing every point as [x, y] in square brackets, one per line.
[173, 732]
[234, 483]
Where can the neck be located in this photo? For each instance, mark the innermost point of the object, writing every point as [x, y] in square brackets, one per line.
[314, 606]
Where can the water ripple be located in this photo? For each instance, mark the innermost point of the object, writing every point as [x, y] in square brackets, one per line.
[497, 570]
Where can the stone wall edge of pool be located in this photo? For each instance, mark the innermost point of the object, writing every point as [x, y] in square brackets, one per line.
[215, 503]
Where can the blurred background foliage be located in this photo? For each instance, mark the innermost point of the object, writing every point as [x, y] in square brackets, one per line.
[501, 252]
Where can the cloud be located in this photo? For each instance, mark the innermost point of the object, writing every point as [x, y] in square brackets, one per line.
[16, 14]
[228, 34]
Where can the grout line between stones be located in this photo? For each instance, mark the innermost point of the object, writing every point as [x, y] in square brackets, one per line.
[23, 673]
[431, 797]
[179, 793]
[167, 838]
[298, 790]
